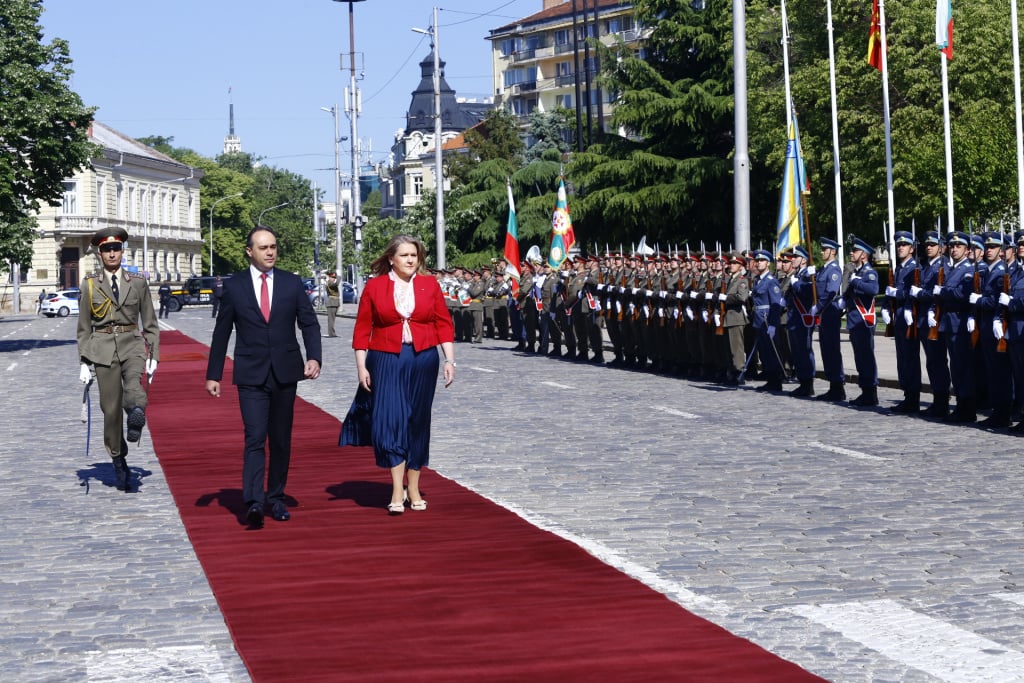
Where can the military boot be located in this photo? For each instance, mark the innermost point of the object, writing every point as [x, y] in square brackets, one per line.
[805, 390]
[964, 413]
[1000, 419]
[836, 392]
[868, 397]
[774, 383]
[121, 473]
[939, 407]
[910, 404]
[136, 421]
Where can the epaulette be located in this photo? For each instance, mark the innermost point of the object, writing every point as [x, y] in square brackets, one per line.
[90, 276]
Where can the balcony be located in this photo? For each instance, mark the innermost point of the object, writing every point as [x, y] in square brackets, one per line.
[521, 88]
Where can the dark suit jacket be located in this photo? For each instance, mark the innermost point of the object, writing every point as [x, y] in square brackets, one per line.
[262, 346]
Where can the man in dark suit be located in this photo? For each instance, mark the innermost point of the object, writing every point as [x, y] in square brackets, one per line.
[264, 305]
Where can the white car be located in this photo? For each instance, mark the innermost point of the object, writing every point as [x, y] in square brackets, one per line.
[61, 303]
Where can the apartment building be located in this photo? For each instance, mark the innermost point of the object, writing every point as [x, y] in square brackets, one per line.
[536, 59]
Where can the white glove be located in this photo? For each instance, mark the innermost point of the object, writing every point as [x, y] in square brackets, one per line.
[718, 320]
[704, 316]
[890, 292]
[1004, 298]
[771, 331]
[932, 322]
[150, 368]
[814, 310]
[622, 290]
[722, 297]
[84, 374]
[915, 291]
[811, 270]
[973, 298]
[708, 296]
[908, 317]
[886, 318]
[841, 304]
[679, 295]
[600, 287]
[649, 293]
[662, 294]
[937, 290]
[793, 279]
[689, 313]
[997, 328]
[635, 290]
[970, 324]
[693, 294]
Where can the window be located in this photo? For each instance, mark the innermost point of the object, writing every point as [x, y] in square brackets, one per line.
[133, 209]
[175, 219]
[101, 197]
[120, 200]
[564, 101]
[620, 24]
[562, 37]
[417, 184]
[69, 205]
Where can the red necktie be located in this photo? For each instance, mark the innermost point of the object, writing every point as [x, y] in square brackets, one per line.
[265, 298]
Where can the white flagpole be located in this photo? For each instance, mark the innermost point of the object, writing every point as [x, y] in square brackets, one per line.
[785, 68]
[1017, 114]
[949, 146]
[835, 130]
[885, 115]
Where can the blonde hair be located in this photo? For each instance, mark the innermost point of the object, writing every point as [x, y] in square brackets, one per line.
[382, 264]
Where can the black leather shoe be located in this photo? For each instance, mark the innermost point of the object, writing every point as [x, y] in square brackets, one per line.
[121, 473]
[254, 516]
[279, 511]
[136, 421]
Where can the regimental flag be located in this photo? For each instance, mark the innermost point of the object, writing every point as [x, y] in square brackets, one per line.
[562, 235]
[875, 46]
[790, 227]
[944, 27]
[512, 244]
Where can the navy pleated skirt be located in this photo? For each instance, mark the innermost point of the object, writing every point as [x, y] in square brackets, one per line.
[394, 416]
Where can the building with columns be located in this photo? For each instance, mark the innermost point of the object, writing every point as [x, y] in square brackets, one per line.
[129, 185]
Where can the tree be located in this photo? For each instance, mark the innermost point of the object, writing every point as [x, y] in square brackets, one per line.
[43, 126]
[549, 130]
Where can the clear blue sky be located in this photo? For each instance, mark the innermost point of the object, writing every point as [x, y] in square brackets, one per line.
[164, 68]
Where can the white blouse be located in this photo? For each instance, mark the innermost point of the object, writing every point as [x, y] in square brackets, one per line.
[405, 302]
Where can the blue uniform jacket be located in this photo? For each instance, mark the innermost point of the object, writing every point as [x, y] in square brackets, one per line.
[1015, 311]
[925, 300]
[767, 297]
[955, 297]
[860, 296]
[991, 288]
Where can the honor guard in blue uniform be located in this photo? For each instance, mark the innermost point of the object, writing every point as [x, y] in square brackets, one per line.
[766, 296]
[906, 274]
[953, 298]
[934, 345]
[829, 311]
[998, 372]
[1012, 320]
[859, 297]
[800, 325]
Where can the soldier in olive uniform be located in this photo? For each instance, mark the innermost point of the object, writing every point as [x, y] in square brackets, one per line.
[476, 288]
[734, 300]
[333, 302]
[109, 339]
[528, 307]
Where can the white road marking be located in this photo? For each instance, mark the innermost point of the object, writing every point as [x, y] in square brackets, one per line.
[1015, 598]
[27, 352]
[677, 413]
[557, 385]
[11, 366]
[179, 663]
[479, 369]
[921, 642]
[845, 451]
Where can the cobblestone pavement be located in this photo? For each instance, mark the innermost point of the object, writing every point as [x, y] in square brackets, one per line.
[863, 546]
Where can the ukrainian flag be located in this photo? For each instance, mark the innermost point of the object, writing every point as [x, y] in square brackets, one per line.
[790, 228]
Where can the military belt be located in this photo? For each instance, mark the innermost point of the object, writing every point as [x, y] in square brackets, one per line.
[475, 301]
[115, 329]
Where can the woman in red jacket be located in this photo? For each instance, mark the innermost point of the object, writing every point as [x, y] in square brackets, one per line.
[402, 318]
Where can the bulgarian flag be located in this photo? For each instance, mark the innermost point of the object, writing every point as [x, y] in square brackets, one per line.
[562, 234]
[512, 244]
[875, 46]
[944, 27]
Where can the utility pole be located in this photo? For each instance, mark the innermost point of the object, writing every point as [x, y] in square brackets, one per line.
[439, 226]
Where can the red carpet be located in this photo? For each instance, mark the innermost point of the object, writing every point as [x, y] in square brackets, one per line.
[466, 591]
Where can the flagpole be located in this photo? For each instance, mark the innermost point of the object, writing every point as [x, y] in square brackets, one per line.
[885, 116]
[835, 129]
[1017, 114]
[790, 125]
[948, 141]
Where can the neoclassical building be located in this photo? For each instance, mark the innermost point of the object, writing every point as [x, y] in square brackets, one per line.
[152, 196]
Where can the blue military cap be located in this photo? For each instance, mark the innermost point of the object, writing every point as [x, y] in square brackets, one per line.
[933, 237]
[801, 252]
[904, 237]
[829, 243]
[1018, 237]
[993, 239]
[958, 237]
[763, 255]
[859, 243]
[977, 242]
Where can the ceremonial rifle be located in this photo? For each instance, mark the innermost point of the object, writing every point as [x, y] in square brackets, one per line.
[1001, 344]
[912, 329]
[720, 329]
[940, 280]
[889, 331]
[977, 290]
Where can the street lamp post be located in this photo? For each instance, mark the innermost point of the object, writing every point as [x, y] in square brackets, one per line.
[230, 196]
[439, 226]
[337, 191]
[259, 220]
